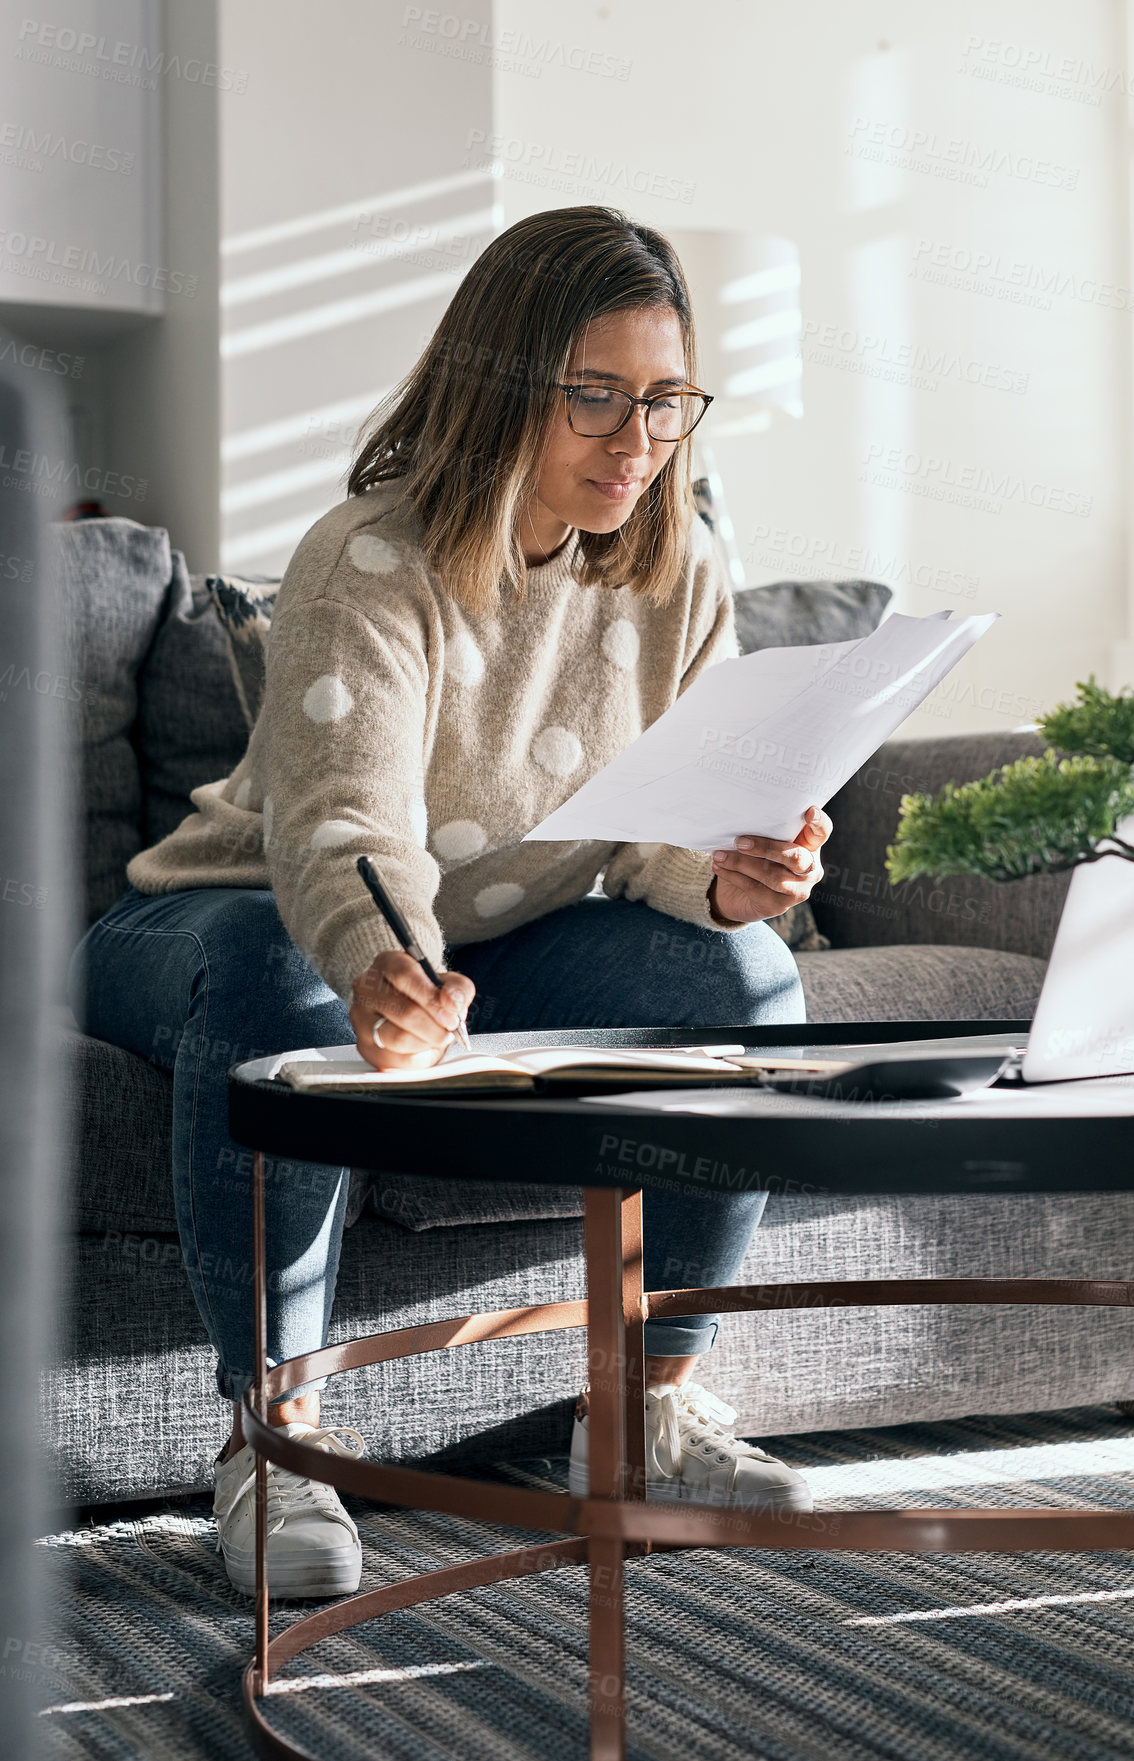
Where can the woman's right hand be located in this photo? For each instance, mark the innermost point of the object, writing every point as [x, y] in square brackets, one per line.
[415, 1019]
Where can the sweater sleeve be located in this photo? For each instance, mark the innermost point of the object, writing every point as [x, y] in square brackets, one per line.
[344, 716]
[669, 879]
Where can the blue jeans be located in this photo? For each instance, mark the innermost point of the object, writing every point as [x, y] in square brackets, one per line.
[200, 979]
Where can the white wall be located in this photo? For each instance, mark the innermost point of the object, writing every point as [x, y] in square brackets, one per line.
[764, 123]
[349, 212]
[162, 380]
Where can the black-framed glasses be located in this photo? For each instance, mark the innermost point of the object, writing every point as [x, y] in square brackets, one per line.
[597, 411]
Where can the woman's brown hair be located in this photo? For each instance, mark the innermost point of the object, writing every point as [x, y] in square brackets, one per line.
[465, 431]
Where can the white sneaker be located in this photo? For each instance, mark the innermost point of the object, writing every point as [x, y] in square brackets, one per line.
[313, 1546]
[691, 1454]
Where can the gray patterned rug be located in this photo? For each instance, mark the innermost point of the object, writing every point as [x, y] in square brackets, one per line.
[801, 1656]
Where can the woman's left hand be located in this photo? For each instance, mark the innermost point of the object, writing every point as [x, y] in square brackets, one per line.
[764, 877]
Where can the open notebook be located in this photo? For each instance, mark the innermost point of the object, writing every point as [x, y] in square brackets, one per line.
[558, 1068]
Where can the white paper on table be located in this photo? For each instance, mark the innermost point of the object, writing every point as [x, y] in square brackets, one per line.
[753, 742]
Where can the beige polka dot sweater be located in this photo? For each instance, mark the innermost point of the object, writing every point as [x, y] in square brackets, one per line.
[397, 725]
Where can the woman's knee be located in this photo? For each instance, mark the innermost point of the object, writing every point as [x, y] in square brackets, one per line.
[244, 936]
[253, 966]
[747, 975]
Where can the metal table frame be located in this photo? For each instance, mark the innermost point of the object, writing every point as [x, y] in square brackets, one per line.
[614, 1523]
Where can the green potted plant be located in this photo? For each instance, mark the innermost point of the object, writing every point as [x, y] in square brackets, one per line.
[1037, 816]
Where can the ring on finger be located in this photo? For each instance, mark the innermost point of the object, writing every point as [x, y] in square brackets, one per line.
[378, 1025]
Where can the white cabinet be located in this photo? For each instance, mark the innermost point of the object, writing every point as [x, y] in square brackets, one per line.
[80, 157]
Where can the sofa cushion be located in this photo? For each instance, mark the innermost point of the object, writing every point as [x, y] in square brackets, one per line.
[920, 983]
[795, 614]
[418, 1203]
[113, 577]
[855, 904]
[120, 1130]
[191, 728]
[811, 1368]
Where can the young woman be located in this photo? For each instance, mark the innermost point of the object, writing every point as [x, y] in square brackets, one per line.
[515, 588]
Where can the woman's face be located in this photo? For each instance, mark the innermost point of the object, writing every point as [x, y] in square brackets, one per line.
[594, 485]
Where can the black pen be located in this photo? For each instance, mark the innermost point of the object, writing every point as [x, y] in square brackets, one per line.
[402, 930]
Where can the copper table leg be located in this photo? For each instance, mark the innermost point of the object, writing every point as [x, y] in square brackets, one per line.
[633, 1320]
[260, 1353]
[606, 1363]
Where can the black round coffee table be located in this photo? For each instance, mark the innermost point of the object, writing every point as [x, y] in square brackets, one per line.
[1081, 1138]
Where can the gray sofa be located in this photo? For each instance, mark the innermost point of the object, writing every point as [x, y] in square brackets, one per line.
[130, 1410]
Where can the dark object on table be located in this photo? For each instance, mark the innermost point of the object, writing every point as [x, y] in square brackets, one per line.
[899, 1079]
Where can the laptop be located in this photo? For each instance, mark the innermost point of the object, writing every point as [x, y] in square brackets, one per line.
[1084, 1020]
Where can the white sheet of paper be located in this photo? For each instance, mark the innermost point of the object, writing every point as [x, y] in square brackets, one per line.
[753, 742]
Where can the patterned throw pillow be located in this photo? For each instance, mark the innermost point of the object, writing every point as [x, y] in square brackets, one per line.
[798, 928]
[244, 605]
